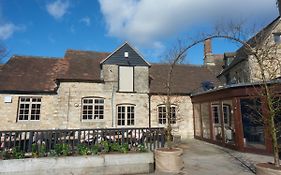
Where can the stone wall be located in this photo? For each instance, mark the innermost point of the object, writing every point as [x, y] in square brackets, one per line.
[48, 118]
[268, 53]
[64, 109]
[184, 113]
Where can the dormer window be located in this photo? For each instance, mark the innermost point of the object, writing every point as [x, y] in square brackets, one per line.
[277, 37]
[126, 54]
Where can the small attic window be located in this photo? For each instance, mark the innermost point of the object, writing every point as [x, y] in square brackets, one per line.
[277, 38]
[126, 54]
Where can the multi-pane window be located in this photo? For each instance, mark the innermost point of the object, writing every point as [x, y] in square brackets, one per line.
[226, 114]
[29, 108]
[216, 114]
[162, 114]
[92, 108]
[125, 115]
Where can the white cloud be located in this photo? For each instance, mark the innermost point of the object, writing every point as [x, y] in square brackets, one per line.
[8, 29]
[58, 8]
[86, 20]
[147, 22]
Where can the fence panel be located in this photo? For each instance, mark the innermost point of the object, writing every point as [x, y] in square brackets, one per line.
[28, 140]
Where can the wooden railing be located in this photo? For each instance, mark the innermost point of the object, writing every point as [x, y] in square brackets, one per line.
[24, 140]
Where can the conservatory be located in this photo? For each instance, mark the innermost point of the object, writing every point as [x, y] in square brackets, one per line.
[233, 117]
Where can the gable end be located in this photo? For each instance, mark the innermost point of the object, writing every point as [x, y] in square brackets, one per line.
[126, 55]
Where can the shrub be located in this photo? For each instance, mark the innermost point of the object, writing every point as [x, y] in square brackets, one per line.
[17, 153]
[62, 149]
[105, 146]
[83, 149]
[95, 149]
[141, 148]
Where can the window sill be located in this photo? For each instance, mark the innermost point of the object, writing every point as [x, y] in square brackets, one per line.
[93, 121]
[132, 92]
[27, 121]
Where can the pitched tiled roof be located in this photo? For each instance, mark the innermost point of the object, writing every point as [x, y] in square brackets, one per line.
[185, 78]
[39, 74]
[81, 65]
[36, 74]
[25, 73]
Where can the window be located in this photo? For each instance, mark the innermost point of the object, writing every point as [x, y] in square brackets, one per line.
[126, 54]
[277, 38]
[252, 121]
[125, 115]
[226, 114]
[29, 108]
[92, 108]
[162, 114]
[216, 114]
[126, 79]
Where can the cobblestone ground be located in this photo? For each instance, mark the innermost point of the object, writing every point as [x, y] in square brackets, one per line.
[201, 158]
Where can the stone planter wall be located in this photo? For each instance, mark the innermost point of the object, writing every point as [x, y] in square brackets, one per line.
[131, 163]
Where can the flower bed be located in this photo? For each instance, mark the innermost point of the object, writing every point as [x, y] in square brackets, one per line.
[131, 163]
[97, 159]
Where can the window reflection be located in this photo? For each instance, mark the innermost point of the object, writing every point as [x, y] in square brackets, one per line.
[216, 116]
[197, 120]
[229, 126]
[205, 120]
[253, 129]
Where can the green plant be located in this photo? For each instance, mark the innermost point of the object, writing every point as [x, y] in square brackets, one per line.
[62, 149]
[17, 153]
[53, 153]
[83, 149]
[95, 149]
[4, 154]
[115, 147]
[141, 148]
[124, 148]
[38, 150]
[105, 146]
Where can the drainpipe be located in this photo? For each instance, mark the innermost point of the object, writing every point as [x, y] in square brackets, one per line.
[149, 110]
[113, 124]
[68, 106]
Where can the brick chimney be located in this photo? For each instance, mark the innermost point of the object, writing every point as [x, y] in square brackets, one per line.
[207, 51]
[207, 47]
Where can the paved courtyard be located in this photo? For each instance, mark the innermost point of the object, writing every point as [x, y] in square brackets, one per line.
[201, 158]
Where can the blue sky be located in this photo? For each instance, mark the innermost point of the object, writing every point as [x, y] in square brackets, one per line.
[49, 27]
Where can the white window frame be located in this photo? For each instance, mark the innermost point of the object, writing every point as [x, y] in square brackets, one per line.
[127, 115]
[33, 104]
[162, 116]
[92, 108]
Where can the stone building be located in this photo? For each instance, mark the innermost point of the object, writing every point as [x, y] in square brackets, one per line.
[87, 89]
[241, 66]
[235, 115]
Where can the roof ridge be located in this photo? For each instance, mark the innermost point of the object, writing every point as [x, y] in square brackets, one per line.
[35, 57]
[75, 50]
[191, 65]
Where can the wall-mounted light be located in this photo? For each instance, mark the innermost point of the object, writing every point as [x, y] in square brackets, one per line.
[76, 105]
